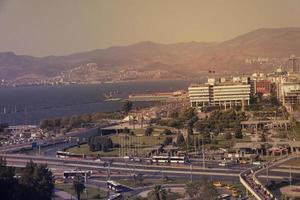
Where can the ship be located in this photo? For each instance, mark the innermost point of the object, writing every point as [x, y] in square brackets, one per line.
[109, 96]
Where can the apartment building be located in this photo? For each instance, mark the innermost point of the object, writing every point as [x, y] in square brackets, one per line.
[289, 93]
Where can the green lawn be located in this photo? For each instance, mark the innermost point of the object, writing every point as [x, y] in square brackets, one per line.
[84, 149]
[293, 162]
[138, 144]
[93, 193]
[144, 141]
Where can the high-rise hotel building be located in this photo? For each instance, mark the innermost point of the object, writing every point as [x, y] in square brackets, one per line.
[220, 94]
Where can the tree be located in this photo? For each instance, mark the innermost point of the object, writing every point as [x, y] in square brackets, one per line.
[180, 139]
[203, 190]
[100, 143]
[238, 133]
[263, 137]
[158, 193]
[7, 181]
[127, 106]
[174, 115]
[36, 182]
[138, 179]
[78, 185]
[190, 130]
[149, 131]
[188, 114]
[126, 130]
[188, 141]
[167, 132]
[168, 140]
[175, 123]
[228, 136]
[206, 136]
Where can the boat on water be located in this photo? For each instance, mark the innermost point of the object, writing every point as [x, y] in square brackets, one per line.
[110, 96]
[113, 99]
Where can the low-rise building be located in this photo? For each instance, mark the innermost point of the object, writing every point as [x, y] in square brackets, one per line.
[263, 87]
[289, 93]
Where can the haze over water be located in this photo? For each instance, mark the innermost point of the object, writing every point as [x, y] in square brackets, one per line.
[29, 105]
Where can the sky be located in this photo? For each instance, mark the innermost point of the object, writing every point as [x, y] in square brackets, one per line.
[60, 27]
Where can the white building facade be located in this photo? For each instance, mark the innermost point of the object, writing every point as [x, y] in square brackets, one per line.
[219, 95]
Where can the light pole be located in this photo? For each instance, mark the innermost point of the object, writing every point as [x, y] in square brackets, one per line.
[290, 175]
[267, 173]
[191, 170]
[203, 154]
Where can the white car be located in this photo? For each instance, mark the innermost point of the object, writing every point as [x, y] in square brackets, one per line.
[224, 196]
[256, 163]
[223, 164]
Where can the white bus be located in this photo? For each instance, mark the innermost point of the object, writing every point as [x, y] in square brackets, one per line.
[73, 173]
[169, 159]
[65, 154]
[113, 185]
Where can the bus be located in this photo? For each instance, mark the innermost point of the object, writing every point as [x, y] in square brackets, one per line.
[73, 173]
[170, 159]
[65, 154]
[113, 185]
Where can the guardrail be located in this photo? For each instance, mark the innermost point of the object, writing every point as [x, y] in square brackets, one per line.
[254, 171]
[247, 186]
[259, 192]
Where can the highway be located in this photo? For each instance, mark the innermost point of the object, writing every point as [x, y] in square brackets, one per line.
[59, 163]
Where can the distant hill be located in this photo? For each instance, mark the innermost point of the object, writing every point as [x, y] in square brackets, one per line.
[191, 58]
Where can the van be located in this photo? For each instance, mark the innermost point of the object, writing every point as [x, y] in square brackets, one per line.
[223, 164]
[256, 163]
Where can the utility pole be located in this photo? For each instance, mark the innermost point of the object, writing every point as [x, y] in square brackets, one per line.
[85, 181]
[267, 173]
[290, 175]
[191, 170]
[203, 154]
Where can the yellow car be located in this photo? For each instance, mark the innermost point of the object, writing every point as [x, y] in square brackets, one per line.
[235, 193]
[217, 184]
[243, 162]
[230, 187]
[59, 181]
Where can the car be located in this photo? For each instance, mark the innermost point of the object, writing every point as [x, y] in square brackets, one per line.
[256, 163]
[230, 187]
[217, 184]
[59, 181]
[243, 162]
[242, 198]
[235, 193]
[223, 164]
[285, 180]
[224, 196]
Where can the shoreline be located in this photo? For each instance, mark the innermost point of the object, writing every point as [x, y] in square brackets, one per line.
[102, 83]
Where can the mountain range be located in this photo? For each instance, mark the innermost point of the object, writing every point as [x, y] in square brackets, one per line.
[189, 59]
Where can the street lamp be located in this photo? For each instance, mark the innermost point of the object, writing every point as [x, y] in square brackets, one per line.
[203, 154]
[191, 170]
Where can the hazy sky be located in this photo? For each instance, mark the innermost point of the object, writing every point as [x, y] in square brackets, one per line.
[44, 27]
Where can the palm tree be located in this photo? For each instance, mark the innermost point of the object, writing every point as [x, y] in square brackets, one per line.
[158, 193]
[78, 185]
